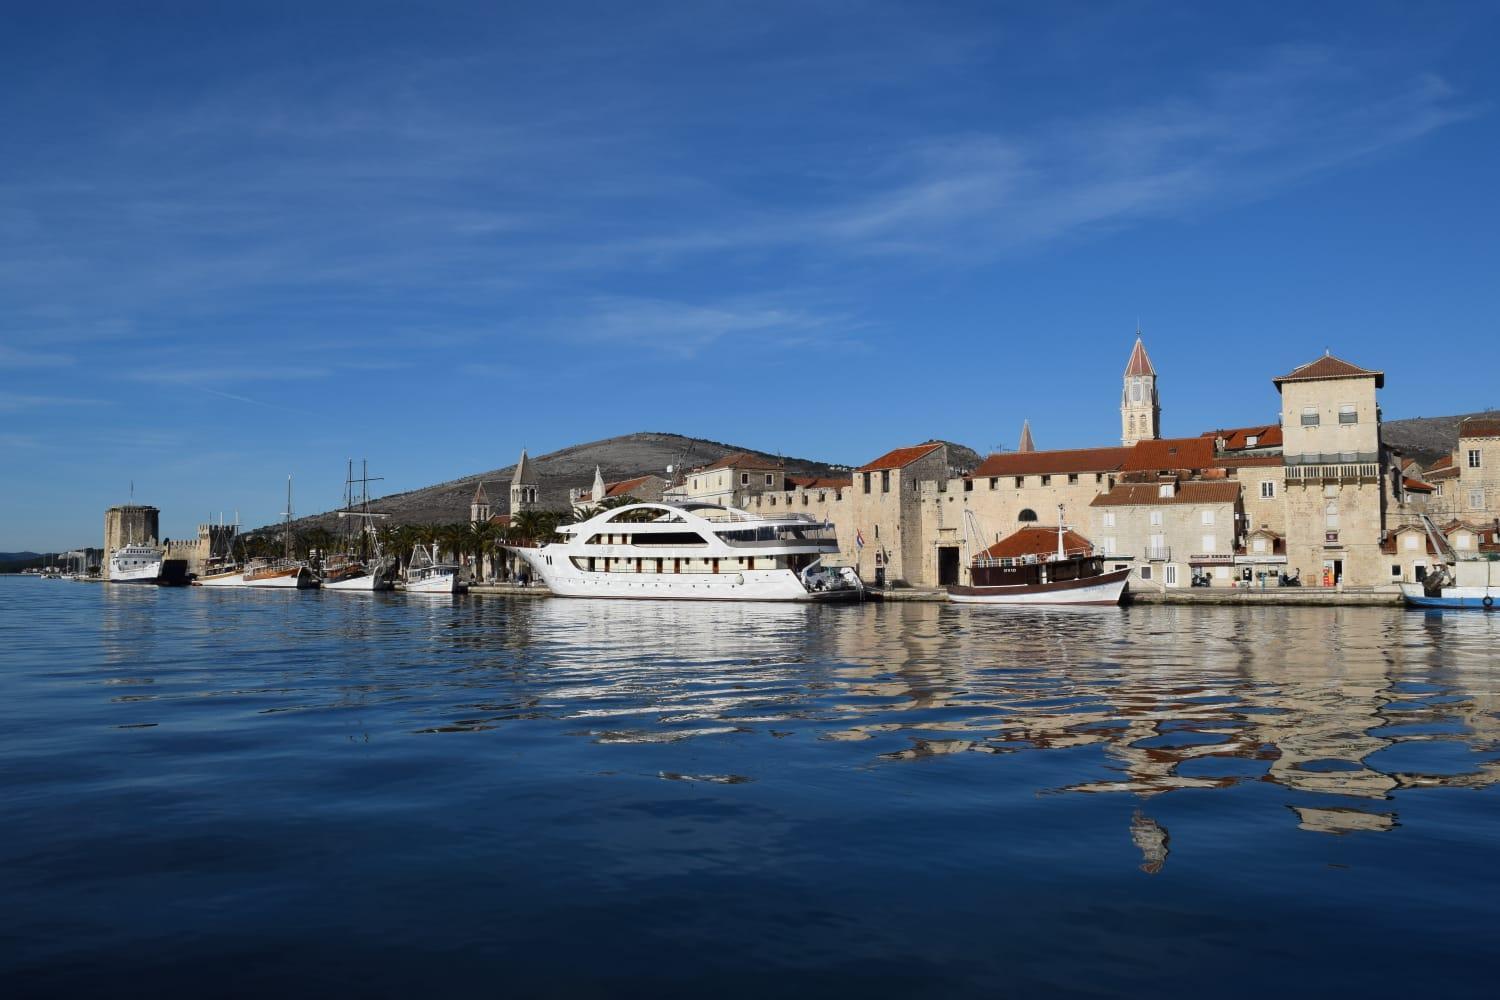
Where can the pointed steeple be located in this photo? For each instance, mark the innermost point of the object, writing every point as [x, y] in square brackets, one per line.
[523, 470]
[525, 493]
[1026, 443]
[1139, 363]
[1140, 406]
[598, 493]
[479, 507]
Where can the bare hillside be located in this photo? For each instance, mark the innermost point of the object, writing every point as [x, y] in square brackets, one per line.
[573, 467]
[1426, 438]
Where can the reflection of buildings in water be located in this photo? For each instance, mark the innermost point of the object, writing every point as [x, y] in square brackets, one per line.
[1152, 839]
[1343, 820]
[1306, 699]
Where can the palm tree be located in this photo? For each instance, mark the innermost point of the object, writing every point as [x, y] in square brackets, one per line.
[478, 535]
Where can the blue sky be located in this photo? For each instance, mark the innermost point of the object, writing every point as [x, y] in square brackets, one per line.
[242, 241]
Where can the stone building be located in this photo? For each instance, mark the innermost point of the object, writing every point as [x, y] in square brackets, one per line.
[1334, 468]
[1170, 529]
[646, 489]
[129, 524]
[732, 481]
[1477, 493]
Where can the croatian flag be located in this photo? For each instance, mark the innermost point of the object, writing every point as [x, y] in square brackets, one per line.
[859, 539]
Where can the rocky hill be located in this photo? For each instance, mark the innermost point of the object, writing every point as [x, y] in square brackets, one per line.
[1423, 438]
[560, 471]
[1426, 438]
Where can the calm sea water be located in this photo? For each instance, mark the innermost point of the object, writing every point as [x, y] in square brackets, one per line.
[251, 793]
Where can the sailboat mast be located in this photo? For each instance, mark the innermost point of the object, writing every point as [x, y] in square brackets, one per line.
[287, 531]
[1061, 550]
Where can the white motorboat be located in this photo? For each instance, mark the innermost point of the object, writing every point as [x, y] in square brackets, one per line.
[693, 551]
[1463, 580]
[135, 564]
[426, 575]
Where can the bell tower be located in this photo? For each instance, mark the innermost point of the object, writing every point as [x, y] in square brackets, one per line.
[524, 488]
[479, 507]
[1140, 407]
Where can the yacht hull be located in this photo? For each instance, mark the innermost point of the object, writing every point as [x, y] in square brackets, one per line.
[446, 583]
[563, 580]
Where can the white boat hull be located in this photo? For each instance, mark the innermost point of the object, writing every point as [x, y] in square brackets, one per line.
[136, 574]
[564, 580]
[1108, 590]
[438, 583]
[366, 583]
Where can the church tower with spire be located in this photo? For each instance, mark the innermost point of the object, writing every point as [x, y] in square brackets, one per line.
[1140, 407]
[524, 489]
[479, 507]
[1027, 444]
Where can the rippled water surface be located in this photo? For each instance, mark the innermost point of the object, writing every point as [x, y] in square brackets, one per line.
[237, 792]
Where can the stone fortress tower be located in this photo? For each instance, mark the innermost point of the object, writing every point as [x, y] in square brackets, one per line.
[525, 491]
[1140, 407]
[129, 524]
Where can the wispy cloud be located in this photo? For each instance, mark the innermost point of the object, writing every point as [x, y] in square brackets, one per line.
[14, 357]
[11, 402]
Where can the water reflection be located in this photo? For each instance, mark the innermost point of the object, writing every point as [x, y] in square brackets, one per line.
[1348, 706]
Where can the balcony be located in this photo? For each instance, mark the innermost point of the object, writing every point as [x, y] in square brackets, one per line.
[1158, 553]
[1344, 472]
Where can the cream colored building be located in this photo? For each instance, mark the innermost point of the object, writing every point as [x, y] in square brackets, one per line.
[1335, 478]
[1170, 529]
[1477, 493]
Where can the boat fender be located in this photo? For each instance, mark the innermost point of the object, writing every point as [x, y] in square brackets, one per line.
[1488, 602]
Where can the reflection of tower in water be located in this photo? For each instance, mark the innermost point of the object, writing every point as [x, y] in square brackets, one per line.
[1152, 839]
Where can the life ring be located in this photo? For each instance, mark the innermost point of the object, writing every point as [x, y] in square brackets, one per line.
[1487, 601]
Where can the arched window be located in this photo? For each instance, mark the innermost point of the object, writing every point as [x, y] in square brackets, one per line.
[1026, 514]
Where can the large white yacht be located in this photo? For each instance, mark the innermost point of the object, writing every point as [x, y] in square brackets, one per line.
[136, 564]
[692, 551]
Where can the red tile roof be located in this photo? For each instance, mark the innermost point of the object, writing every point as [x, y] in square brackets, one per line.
[1479, 427]
[1171, 453]
[622, 488]
[1139, 363]
[1249, 461]
[816, 483]
[742, 460]
[1238, 438]
[1328, 367]
[1149, 495]
[901, 457]
[1036, 542]
[1416, 485]
[1442, 463]
[1046, 463]
[1444, 474]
